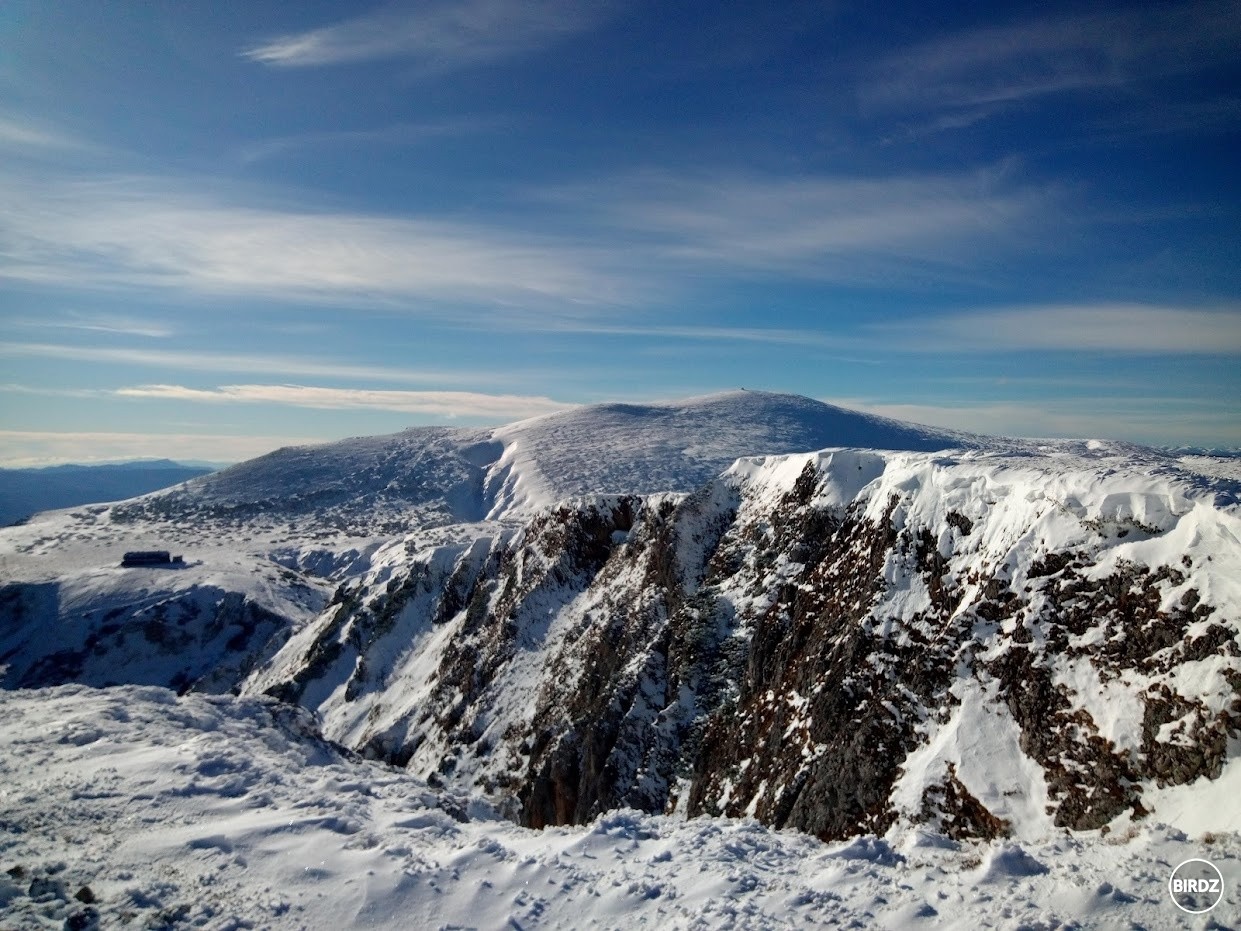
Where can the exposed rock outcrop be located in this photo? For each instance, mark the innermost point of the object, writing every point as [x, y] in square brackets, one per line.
[783, 642]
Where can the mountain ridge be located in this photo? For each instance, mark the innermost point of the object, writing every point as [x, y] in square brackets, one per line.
[1038, 634]
[439, 474]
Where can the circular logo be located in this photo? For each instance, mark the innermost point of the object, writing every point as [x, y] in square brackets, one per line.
[1196, 886]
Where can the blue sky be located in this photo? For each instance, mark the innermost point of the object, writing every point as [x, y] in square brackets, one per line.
[229, 227]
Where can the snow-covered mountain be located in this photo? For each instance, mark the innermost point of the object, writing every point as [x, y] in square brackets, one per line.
[995, 643]
[374, 486]
[746, 604]
[268, 541]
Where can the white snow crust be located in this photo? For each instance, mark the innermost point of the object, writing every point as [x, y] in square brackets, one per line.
[222, 813]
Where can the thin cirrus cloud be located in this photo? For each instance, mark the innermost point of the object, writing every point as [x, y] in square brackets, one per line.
[1124, 328]
[99, 323]
[849, 229]
[399, 134]
[1001, 65]
[24, 134]
[46, 392]
[439, 35]
[199, 360]
[1141, 419]
[625, 240]
[137, 233]
[432, 403]
[779, 336]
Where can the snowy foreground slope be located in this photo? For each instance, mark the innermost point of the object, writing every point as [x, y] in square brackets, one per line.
[132, 808]
[960, 650]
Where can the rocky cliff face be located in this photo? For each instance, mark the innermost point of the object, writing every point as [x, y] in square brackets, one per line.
[991, 643]
[999, 640]
[203, 638]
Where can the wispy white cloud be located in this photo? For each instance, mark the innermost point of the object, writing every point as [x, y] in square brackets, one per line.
[46, 392]
[1131, 328]
[618, 241]
[440, 34]
[998, 65]
[944, 121]
[113, 324]
[780, 336]
[400, 134]
[27, 448]
[22, 133]
[842, 228]
[238, 362]
[433, 403]
[137, 233]
[1137, 419]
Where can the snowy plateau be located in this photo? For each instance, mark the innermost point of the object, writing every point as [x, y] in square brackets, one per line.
[740, 661]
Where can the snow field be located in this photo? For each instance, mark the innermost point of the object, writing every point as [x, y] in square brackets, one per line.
[132, 808]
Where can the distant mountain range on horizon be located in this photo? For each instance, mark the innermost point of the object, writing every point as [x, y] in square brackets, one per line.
[25, 492]
[123, 464]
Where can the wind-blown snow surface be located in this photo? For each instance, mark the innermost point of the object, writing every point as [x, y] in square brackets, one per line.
[650, 448]
[132, 808]
[382, 485]
[998, 643]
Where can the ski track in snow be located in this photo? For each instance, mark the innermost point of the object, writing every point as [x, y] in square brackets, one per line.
[224, 813]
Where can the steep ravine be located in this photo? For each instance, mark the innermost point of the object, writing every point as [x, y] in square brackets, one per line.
[810, 640]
